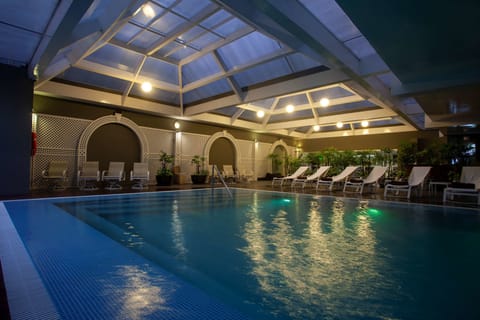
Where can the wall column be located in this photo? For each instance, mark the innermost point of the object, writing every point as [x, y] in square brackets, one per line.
[16, 92]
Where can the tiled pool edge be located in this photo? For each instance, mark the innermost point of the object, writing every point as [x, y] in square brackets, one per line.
[26, 294]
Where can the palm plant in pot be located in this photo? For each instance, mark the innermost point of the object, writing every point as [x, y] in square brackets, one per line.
[201, 174]
[164, 173]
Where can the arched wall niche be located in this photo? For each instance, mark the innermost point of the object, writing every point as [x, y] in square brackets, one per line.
[279, 143]
[218, 135]
[118, 119]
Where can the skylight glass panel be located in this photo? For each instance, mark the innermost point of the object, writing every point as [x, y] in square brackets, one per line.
[330, 93]
[91, 79]
[264, 72]
[147, 14]
[230, 27]
[227, 111]
[168, 49]
[360, 47]
[333, 17]
[167, 23]
[116, 57]
[297, 100]
[182, 53]
[251, 116]
[300, 62]
[199, 69]
[250, 47]
[165, 3]
[211, 90]
[205, 40]
[266, 103]
[159, 70]
[213, 21]
[189, 8]
[17, 45]
[127, 33]
[347, 107]
[146, 39]
[192, 34]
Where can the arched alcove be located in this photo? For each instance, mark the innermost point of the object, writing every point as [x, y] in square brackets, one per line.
[228, 139]
[280, 149]
[222, 152]
[119, 123]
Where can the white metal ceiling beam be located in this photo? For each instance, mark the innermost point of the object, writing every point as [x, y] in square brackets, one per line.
[98, 96]
[126, 92]
[124, 75]
[269, 91]
[115, 19]
[233, 84]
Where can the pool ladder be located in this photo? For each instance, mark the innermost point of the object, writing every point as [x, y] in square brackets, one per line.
[215, 168]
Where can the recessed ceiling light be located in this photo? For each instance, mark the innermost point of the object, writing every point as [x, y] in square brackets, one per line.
[147, 86]
[316, 127]
[364, 123]
[290, 108]
[260, 113]
[339, 124]
[148, 11]
[324, 102]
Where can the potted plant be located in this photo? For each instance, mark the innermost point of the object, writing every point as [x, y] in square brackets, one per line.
[165, 173]
[201, 174]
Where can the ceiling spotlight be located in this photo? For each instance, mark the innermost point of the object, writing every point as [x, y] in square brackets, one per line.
[176, 124]
[260, 113]
[339, 124]
[146, 86]
[364, 123]
[148, 11]
[290, 108]
[324, 102]
[316, 127]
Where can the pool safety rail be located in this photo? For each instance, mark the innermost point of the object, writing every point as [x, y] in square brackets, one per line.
[220, 176]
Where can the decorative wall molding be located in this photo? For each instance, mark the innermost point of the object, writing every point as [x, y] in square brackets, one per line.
[218, 135]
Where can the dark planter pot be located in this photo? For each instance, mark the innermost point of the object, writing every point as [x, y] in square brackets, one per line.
[199, 178]
[164, 180]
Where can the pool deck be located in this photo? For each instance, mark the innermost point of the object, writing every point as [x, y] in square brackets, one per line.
[432, 197]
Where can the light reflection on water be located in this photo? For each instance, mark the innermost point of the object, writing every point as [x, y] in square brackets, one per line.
[319, 269]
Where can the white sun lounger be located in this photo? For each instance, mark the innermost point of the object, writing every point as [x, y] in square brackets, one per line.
[311, 178]
[339, 178]
[371, 180]
[469, 175]
[301, 170]
[415, 180]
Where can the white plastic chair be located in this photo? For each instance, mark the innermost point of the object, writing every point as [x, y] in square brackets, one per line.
[415, 180]
[339, 178]
[301, 170]
[371, 180]
[56, 175]
[88, 176]
[140, 175]
[114, 175]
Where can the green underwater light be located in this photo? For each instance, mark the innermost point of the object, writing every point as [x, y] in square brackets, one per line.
[374, 212]
[286, 200]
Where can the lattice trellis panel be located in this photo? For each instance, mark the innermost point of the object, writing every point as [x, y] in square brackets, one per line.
[57, 139]
[159, 140]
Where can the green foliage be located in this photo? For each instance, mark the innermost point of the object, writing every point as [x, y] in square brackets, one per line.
[199, 163]
[166, 161]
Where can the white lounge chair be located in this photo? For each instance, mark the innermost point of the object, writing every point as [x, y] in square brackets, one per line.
[140, 175]
[229, 173]
[469, 185]
[415, 180]
[311, 178]
[339, 178]
[358, 185]
[114, 175]
[56, 175]
[301, 170]
[88, 176]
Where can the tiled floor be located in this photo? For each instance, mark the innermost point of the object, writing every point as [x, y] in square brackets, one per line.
[427, 197]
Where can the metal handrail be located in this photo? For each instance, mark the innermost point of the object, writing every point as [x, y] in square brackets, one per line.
[214, 167]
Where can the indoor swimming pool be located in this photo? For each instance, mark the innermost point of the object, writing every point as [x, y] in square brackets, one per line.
[199, 254]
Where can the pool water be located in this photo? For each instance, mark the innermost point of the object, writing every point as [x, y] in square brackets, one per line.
[271, 255]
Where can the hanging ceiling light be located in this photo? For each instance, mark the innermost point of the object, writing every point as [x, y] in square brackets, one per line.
[260, 113]
[339, 124]
[290, 108]
[364, 123]
[324, 102]
[148, 11]
[316, 127]
[147, 86]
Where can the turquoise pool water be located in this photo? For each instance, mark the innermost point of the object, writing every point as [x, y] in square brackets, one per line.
[262, 255]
